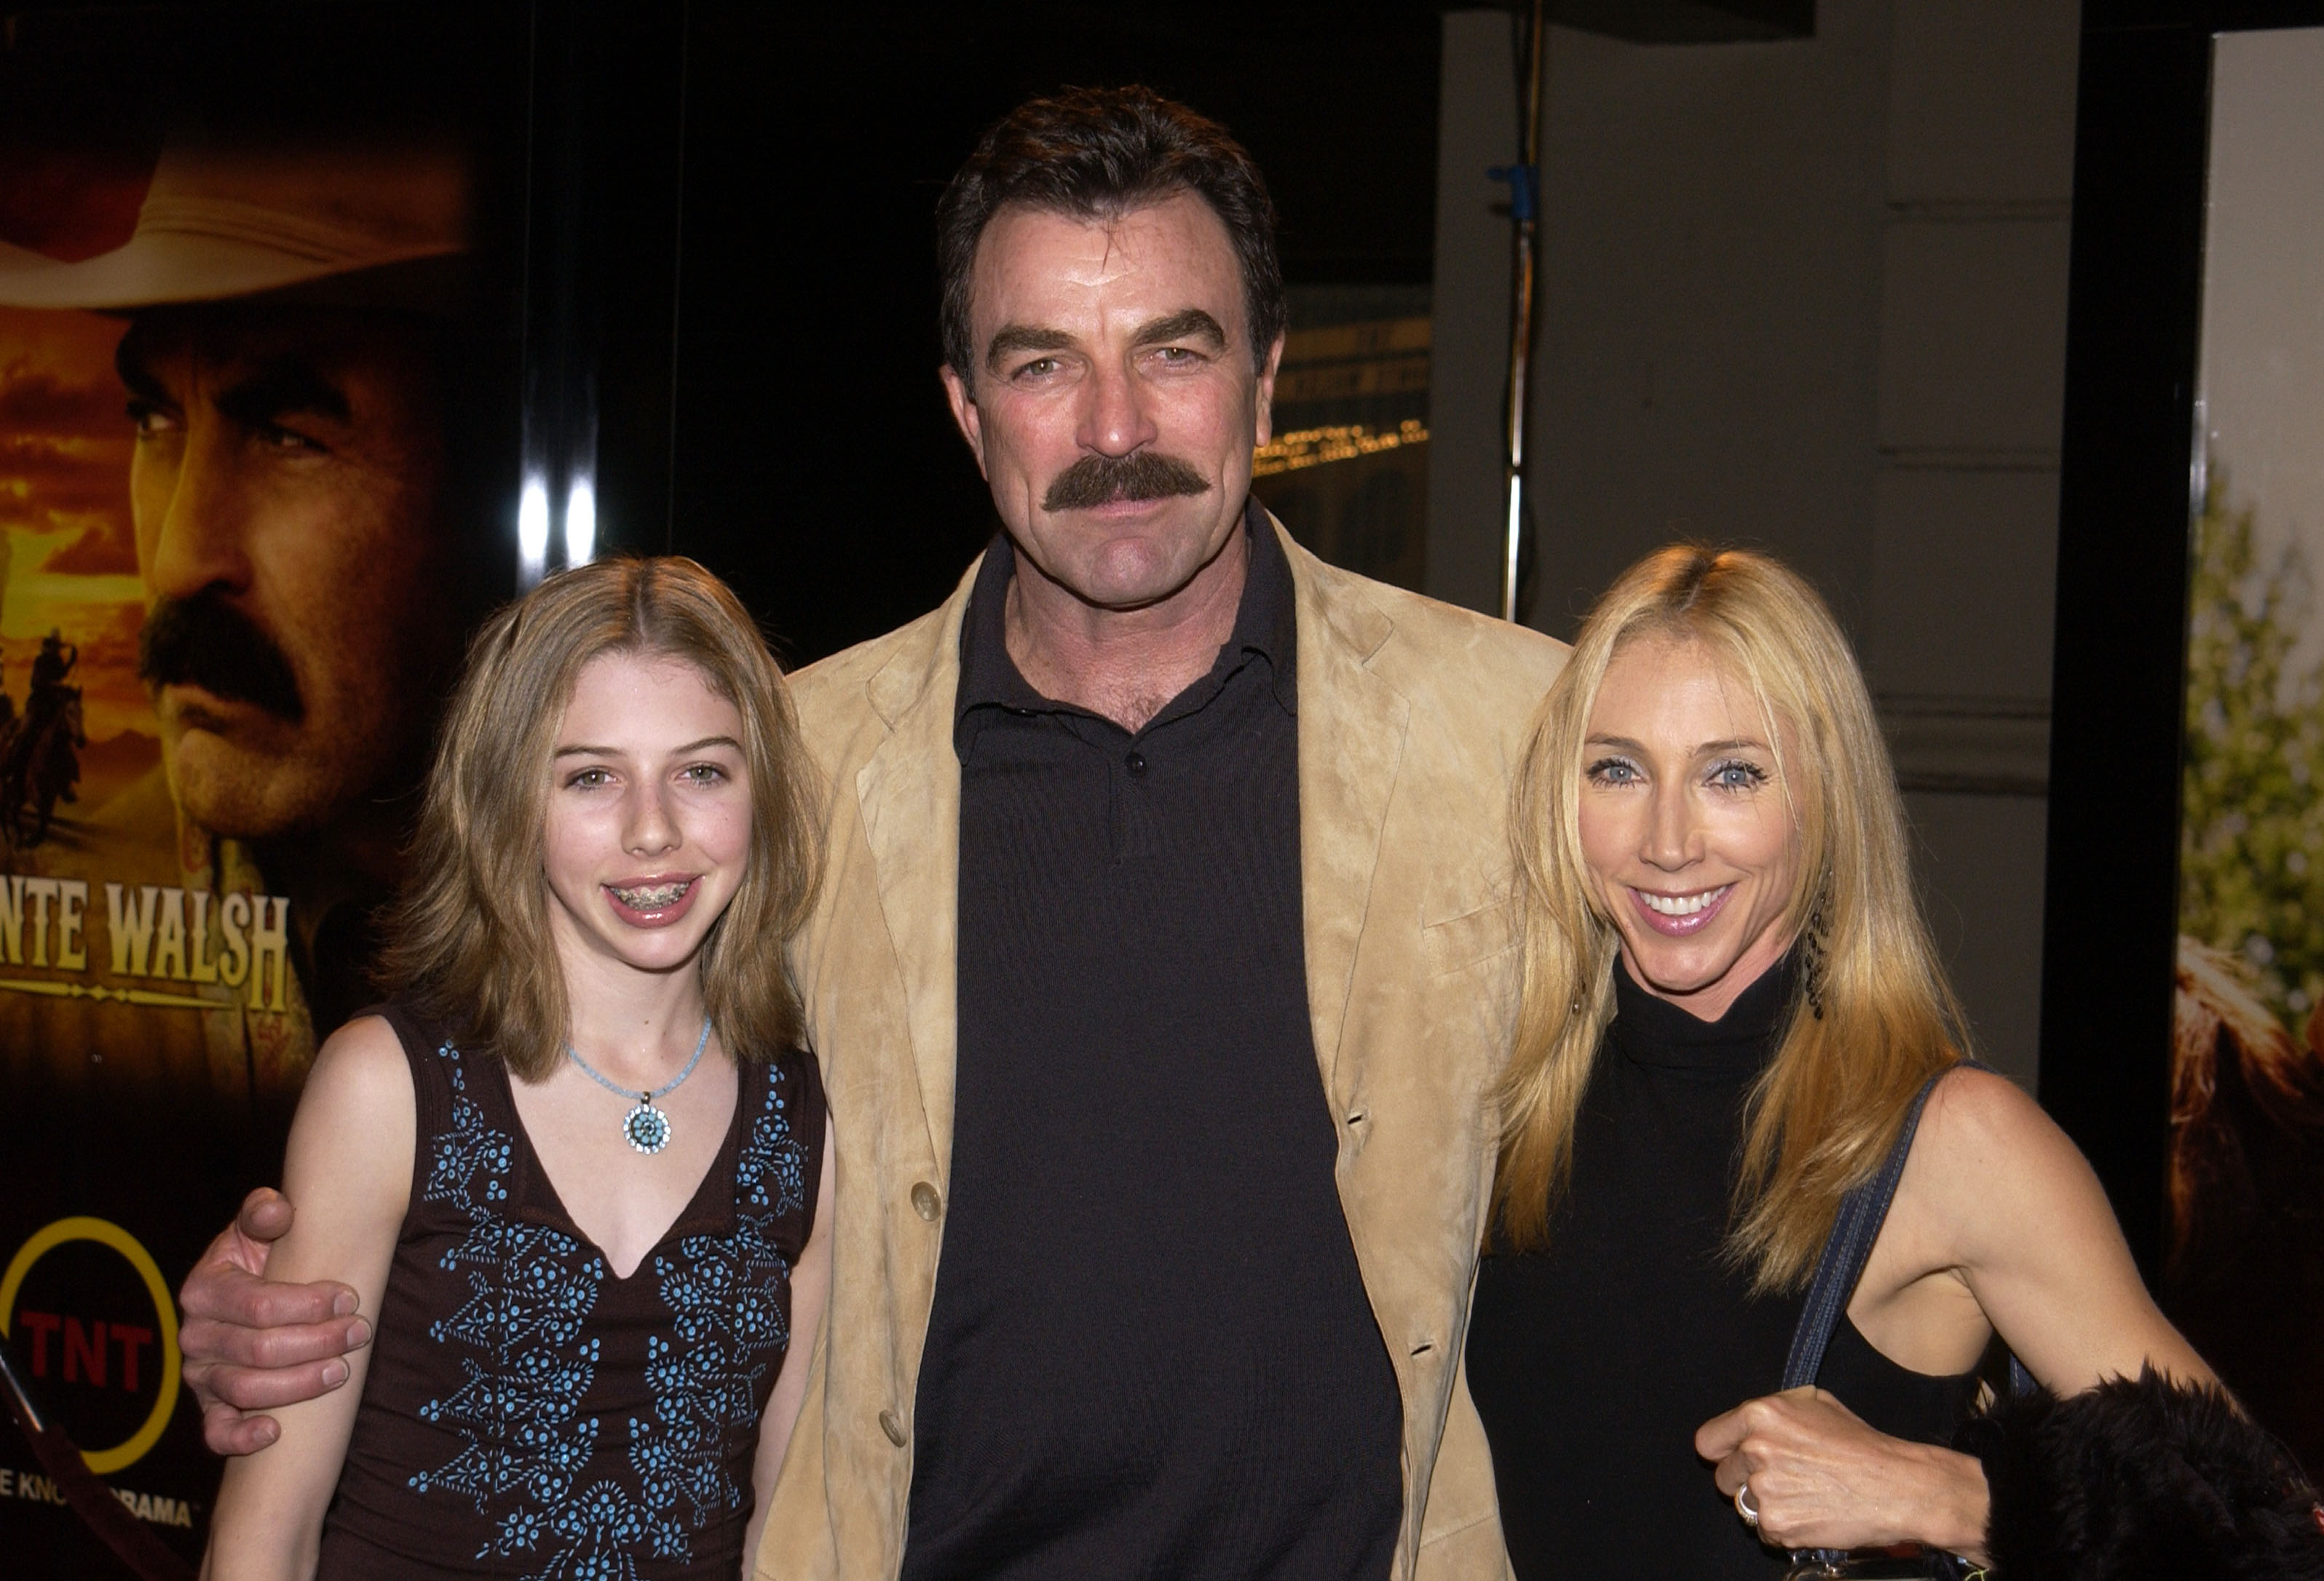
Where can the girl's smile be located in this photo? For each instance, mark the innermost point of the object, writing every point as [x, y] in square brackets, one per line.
[649, 817]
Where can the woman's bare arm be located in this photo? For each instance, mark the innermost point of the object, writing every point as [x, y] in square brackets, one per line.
[2011, 1206]
[348, 1165]
[2000, 1221]
[810, 1293]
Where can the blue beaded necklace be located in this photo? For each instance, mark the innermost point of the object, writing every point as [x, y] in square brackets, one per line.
[646, 1127]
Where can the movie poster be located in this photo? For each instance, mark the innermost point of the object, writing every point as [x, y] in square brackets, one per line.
[253, 496]
[2245, 1268]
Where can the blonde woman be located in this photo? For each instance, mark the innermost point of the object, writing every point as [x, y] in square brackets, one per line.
[576, 1163]
[1730, 1004]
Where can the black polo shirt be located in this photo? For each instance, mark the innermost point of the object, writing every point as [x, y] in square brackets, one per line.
[1151, 1353]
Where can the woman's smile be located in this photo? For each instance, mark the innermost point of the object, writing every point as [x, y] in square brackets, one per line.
[1686, 824]
[1679, 915]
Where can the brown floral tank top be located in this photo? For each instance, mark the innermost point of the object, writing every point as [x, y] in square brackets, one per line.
[527, 1415]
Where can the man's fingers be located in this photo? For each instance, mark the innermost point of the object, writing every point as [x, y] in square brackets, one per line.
[266, 1215]
[232, 1297]
[211, 1346]
[266, 1388]
[229, 1432]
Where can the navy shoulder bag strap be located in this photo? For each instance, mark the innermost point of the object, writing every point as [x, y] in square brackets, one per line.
[1848, 1247]
[1846, 1251]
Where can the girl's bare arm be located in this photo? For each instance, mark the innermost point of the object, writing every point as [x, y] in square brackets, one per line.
[349, 1166]
[810, 1293]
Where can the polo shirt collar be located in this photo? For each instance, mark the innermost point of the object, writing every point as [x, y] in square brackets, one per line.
[1266, 627]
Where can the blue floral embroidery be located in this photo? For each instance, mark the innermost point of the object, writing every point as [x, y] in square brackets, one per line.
[532, 1290]
[727, 1325]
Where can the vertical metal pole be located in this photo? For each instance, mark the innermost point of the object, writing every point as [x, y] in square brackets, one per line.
[1525, 211]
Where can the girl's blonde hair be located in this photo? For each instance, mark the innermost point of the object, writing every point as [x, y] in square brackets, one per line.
[1822, 1117]
[468, 938]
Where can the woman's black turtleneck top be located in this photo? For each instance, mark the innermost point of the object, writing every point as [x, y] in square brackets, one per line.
[1592, 1362]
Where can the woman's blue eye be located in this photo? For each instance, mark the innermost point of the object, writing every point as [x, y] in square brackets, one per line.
[1614, 771]
[1738, 776]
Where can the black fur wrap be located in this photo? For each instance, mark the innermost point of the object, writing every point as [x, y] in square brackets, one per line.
[2142, 1480]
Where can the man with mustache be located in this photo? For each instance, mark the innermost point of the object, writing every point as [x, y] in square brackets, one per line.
[1161, 966]
[286, 365]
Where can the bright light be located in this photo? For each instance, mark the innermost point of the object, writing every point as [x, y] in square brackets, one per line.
[532, 530]
[581, 522]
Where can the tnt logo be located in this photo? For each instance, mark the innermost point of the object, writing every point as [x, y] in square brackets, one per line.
[83, 1346]
[85, 1310]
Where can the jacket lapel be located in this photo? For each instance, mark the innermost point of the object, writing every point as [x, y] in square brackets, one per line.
[909, 794]
[1351, 733]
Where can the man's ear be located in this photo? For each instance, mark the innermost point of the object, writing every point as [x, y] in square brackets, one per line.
[965, 415]
[1267, 367]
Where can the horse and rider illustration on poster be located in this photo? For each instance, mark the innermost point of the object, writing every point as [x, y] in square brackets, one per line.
[39, 747]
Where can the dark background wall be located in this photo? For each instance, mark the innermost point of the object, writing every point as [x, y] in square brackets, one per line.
[815, 466]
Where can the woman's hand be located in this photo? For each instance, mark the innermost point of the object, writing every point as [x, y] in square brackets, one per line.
[1821, 1478]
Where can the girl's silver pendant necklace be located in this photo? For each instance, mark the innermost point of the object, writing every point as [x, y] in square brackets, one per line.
[646, 1127]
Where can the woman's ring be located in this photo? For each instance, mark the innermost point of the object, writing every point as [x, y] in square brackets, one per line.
[1745, 1508]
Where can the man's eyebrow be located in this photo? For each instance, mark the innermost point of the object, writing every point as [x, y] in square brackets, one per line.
[1023, 338]
[277, 390]
[136, 373]
[1186, 324]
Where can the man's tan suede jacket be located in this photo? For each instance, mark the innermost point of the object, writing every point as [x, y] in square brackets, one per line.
[1411, 717]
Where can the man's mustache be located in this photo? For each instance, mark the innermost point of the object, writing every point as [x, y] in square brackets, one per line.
[206, 642]
[1107, 479]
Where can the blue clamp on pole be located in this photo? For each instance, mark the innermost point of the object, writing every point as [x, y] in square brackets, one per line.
[1523, 190]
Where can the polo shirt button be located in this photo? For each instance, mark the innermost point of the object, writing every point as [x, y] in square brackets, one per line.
[892, 1427]
[1136, 764]
[925, 1202]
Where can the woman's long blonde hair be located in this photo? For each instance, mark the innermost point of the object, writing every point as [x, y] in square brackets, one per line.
[468, 938]
[1822, 1117]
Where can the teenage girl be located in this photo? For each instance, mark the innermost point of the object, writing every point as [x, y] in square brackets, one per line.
[578, 1163]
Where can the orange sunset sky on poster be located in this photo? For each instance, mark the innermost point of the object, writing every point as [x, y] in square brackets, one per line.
[67, 560]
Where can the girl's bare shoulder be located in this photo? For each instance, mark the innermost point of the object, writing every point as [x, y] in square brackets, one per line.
[360, 1075]
[363, 1054]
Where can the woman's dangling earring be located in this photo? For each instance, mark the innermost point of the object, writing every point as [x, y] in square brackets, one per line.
[1813, 953]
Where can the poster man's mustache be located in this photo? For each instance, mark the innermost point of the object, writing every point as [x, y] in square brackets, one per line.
[1104, 480]
[206, 642]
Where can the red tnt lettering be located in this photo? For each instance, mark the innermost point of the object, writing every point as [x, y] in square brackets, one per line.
[130, 1338]
[85, 1350]
[84, 1346]
[40, 1326]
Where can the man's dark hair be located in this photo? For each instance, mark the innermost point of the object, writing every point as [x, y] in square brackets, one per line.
[1094, 154]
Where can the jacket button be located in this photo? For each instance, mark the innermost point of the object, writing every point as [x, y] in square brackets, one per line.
[892, 1427]
[925, 1202]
